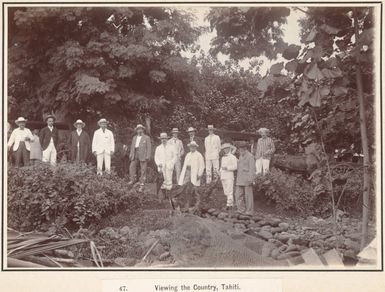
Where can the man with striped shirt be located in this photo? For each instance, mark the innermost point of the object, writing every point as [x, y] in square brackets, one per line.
[264, 150]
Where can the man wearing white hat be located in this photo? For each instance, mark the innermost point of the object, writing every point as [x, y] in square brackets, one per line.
[49, 139]
[212, 147]
[103, 146]
[165, 158]
[20, 139]
[140, 152]
[264, 150]
[191, 131]
[79, 143]
[178, 144]
[193, 166]
[228, 166]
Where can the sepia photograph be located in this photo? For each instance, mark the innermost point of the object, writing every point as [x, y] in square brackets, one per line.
[188, 136]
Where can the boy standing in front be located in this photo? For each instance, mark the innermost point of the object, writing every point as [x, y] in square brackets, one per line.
[228, 166]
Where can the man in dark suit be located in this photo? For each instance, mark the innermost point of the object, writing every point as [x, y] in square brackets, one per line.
[79, 143]
[140, 152]
[192, 137]
[49, 138]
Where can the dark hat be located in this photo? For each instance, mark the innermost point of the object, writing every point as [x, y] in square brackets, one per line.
[242, 144]
[50, 116]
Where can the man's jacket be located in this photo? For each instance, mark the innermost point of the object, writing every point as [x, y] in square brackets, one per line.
[46, 135]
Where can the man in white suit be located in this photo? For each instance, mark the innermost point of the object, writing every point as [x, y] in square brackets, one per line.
[103, 147]
[165, 158]
[20, 139]
[193, 166]
[212, 149]
[178, 144]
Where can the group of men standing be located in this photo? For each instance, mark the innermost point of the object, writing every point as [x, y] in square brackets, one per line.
[170, 156]
[27, 146]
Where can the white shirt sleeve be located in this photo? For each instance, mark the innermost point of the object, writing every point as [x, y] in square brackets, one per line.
[94, 141]
[12, 138]
[157, 157]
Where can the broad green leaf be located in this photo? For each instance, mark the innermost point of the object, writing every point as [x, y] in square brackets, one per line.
[276, 68]
[315, 98]
[324, 91]
[366, 37]
[313, 72]
[310, 37]
[291, 66]
[339, 90]
[332, 73]
[317, 53]
[291, 52]
[329, 29]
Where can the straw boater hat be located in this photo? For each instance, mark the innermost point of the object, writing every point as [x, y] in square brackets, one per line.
[174, 130]
[20, 120]
[191, 129]
[263, 130]
[50, 116]
[79, 122]
[210, 127]
[226, 145]
[102, 121]
[163, 136]
[139, 126]
[192, 144]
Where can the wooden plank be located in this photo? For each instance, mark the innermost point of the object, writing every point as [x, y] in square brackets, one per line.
[311, 258]
[333, 259]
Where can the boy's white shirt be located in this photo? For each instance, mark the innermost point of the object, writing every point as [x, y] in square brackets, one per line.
[231, 163]
[195, 160]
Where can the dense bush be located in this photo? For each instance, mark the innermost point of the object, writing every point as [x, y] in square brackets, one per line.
[287, 191]
[68, 195]
[310, 197]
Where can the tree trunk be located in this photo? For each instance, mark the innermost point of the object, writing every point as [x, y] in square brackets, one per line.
[364, 142]
[148, 124]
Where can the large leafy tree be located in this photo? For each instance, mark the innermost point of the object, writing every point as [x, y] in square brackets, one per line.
[327, 82]
[74, 62]
[248, 32]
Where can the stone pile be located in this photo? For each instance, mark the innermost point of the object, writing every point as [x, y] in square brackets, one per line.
[289, 240]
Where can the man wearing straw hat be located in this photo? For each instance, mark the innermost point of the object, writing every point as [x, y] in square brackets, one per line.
[140, 152]
[228, 166]
[193, 166]
[79, 143]
[264, 150]
[165, 158]
[191, 131]
[103, 147]
[49, 138]
[178, 144]
[20, 139]
[212, 147]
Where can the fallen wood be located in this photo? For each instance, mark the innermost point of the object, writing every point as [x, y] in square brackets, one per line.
[16, 263]
[333, 259]
[311, 258]
[150, 249]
